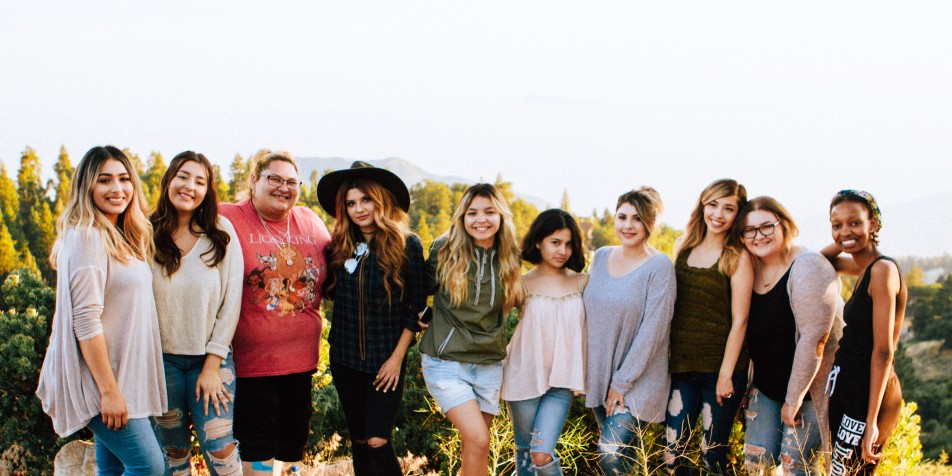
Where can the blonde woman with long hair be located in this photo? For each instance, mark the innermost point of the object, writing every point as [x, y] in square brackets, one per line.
[708, 365]
[473, 271]
[103, 368]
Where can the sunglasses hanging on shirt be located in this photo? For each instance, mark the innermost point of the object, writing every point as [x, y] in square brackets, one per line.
[351, 264]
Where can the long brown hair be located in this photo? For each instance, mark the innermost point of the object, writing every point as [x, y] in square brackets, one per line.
[390, 239]
[696, 229]
[131, 235]
[204, 219]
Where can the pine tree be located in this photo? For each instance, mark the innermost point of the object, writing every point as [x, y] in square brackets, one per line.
[64, 177]
[10, 205]
[423, 231]
[152, 179]
[26, 259]
[221, 186]
[35, 215]
[239, 175]
[565, 200]
[8, 252]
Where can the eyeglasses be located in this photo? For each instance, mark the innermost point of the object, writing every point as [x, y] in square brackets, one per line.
[766, 230]
[351, 264]
[277, 181]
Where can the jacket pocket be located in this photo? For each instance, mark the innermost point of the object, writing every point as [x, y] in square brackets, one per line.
[449, 336]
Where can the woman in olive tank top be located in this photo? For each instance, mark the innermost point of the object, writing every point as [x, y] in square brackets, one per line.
[708, 363]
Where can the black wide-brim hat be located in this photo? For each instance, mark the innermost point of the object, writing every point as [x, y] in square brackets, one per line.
[330, 184]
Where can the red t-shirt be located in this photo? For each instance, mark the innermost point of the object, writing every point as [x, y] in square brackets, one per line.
[279, 330]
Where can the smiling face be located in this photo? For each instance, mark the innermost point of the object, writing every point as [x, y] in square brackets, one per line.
[628, 226]
[275, 201]
[481, 221]
[113, 190]
[759, 245]
[361, 210]
[188, 187]
[556, 249]
[851, 226]
[719, 214]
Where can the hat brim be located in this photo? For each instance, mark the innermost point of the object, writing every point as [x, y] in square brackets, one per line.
[329, 185]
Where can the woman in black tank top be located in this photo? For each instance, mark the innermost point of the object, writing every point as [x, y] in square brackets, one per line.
[865, 397]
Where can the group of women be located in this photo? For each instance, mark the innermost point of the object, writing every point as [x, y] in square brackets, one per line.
[208, 315]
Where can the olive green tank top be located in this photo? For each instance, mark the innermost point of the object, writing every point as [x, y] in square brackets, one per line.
[702, 319]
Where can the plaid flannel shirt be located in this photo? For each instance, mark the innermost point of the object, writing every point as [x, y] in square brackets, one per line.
[365, 342]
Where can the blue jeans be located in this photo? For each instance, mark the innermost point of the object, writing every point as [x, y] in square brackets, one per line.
[537, 424]
[129, 451]
[693, 395]
[214, 431]
[770, 442]
[619, 443]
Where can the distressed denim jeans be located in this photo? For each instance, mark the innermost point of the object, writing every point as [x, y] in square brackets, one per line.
[537, 424]
[619, 444]
[214, 431]
[770, 442]
[693, 395]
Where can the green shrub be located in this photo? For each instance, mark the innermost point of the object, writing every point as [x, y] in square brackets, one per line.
[27, 440]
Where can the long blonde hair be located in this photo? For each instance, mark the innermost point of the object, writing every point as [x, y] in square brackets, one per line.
[390, 239]
[456, 256]
[696, 229]
[131, 235]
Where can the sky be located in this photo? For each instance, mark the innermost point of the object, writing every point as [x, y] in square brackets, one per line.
[794, 99]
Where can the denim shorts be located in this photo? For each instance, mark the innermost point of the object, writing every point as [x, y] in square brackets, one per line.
[453, 383]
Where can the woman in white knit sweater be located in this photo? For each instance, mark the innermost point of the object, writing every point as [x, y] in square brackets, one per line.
[197, 283]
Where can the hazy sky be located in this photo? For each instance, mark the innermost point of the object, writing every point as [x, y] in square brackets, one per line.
[795, 99]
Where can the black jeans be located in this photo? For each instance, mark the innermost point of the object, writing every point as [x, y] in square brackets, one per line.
[370, 413]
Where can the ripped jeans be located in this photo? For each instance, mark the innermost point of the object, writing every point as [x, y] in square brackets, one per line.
[694, 394]
[771, 442]
[537, 424]
[214, 432]
[619, 444]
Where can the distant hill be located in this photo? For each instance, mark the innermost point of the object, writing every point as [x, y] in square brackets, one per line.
[409, 172]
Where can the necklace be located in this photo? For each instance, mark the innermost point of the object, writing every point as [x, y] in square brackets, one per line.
[285, 251]
[767, 282]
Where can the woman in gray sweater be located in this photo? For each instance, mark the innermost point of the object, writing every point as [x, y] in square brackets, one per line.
[792, 332]
[629, 302]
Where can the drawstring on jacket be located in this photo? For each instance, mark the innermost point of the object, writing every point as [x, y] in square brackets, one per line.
[481, 258]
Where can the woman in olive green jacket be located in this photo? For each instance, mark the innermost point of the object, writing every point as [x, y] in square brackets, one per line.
[473, 272]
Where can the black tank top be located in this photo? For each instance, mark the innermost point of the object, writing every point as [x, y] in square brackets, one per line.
[772, 339]
[856, 345]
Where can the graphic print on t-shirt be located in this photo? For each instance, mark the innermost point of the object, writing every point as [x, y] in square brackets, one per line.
[286, 282]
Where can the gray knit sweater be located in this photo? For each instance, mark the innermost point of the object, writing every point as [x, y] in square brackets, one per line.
[629, 319]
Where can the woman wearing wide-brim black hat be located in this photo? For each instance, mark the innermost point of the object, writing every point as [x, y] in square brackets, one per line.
[376, 279]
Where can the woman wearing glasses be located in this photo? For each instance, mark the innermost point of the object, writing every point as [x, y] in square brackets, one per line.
[276, 342]
[865, 397]
[377, 281]
[791, 337]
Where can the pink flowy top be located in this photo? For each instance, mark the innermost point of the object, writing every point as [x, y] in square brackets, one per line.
[548, 348]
